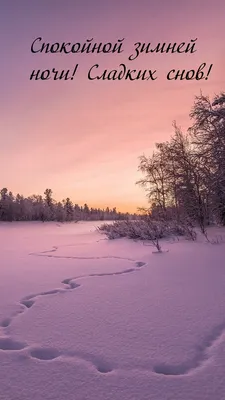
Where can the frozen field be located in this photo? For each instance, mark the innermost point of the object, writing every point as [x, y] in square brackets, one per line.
[85, 318]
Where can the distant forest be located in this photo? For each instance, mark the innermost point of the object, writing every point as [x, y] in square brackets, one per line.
[45, 208]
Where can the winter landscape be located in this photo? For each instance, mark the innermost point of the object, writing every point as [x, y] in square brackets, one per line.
[130, 306]
[83, 317]
[112, 200]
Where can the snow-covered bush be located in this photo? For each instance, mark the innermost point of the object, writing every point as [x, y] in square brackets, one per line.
[147, 229]
[183, 228]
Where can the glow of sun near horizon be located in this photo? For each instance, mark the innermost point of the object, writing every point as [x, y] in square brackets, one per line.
[83, 138]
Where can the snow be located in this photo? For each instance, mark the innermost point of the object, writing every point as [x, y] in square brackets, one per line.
[86, 318]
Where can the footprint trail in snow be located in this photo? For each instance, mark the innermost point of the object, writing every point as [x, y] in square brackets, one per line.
[69, 284]
[203, 351]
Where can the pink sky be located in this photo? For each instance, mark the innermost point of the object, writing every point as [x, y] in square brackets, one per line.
[83, 138]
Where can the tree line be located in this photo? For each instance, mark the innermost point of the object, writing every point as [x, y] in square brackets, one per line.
[45, 208]
[184, 178]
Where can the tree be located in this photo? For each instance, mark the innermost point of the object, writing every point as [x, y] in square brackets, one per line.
[208, 136]
[68, 207]
[48, 211]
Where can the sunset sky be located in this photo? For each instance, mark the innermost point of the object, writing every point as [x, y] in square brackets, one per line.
[83, 138]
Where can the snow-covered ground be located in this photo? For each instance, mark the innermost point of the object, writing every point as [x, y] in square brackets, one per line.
[84, 318]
